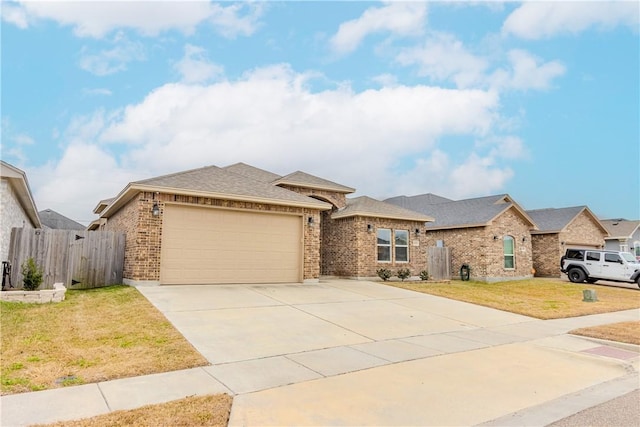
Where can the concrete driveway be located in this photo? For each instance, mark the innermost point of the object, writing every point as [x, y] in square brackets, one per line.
[363, 353]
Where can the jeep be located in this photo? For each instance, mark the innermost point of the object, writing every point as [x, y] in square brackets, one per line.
[593, 265]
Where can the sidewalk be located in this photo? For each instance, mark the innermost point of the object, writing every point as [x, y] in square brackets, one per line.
[528, 373]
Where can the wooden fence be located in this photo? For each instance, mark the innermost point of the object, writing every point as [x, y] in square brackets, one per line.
[80, 259]
[439, 263]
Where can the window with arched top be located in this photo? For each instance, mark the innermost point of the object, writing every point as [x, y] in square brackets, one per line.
[509, 252]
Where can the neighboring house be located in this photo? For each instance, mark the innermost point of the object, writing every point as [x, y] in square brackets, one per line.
[623, 236]
[56, 221]
[17, 208]
[241, 224]
[560, 229]
[491, 234]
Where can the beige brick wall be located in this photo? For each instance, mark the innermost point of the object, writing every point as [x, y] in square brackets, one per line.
[583, 231]
[546, 254]
[477, 247]
[144, 232]
[350, 250]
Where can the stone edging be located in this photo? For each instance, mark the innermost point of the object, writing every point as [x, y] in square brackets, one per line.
[43, 296]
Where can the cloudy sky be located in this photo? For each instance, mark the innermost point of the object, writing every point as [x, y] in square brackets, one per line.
[538, 100]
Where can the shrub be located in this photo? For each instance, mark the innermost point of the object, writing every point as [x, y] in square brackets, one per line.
[424, 275]
[403, 273]
[384, 273]
[32, 275]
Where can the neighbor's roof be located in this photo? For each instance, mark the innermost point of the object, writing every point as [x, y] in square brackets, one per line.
[368, 207]
[215, 182]
[18, 180]
[102, 204]
[57, 221]
[302, 179]
[620, 228]
[555, 220]
[476, 212]
[252, 172]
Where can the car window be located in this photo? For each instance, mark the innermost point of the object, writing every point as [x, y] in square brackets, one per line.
[611, 258]
[593, 256]
[575, 254]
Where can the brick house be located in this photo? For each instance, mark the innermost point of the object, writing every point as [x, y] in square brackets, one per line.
[560, 229]
[241, 224]
[17, 208]
[491, 234]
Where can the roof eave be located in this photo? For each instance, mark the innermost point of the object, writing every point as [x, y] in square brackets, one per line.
[453, 227]
[344, 190]
[339, 215]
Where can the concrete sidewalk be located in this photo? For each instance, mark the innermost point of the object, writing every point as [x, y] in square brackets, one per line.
[377, 356]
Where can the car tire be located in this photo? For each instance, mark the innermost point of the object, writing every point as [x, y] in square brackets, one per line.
[576, 275]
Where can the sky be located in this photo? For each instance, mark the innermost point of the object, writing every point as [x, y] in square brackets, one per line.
[539, 100]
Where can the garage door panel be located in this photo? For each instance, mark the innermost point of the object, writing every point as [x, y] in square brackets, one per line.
[204, 245]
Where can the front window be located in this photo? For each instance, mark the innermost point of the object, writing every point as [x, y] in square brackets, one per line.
[384, 245]
[401, 245]
[509, 252]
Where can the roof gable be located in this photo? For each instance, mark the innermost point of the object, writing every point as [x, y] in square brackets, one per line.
[302, 179]
[555, 220]
[368, 207]
[18, 180]
[620, 228]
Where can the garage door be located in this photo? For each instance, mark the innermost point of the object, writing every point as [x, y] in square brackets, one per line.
[207, 245]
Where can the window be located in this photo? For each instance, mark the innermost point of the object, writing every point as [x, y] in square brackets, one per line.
[593, 256]
[636, 248]
[401, 245]
[509, 252]
[384, 245]
[612, 258]
[575, 254]
[392, 250]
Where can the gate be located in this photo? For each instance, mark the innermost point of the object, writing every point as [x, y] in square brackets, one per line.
[439, 263]
[79, 259]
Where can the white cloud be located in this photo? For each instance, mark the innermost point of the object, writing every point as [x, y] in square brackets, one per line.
[194, 67]
[98, 18]
[270, 118]
[14, 14]
[537, 20]
[398, 18]
[477, 176]
[110, 61]
[526, 72]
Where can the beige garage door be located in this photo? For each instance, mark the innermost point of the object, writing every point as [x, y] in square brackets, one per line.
[208, 245]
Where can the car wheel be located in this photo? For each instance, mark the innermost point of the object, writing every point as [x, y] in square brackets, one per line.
[576, 275]
[592, 280]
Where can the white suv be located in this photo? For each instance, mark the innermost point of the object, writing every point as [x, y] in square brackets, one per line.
[592, 265]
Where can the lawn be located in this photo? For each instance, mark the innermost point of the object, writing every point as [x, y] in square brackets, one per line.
[627, 332]
[94, 335]
[191, 411]
[539, 298]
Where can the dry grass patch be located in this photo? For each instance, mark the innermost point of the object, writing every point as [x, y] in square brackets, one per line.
[627, 332]
[540, 298]
[94, 335]
[191, 411]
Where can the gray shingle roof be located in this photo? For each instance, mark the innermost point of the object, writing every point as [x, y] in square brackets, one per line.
[368, 207]
[52, 219]
[474, 212]
[252, 172]
[302, 179]
[218, 181]
[620, 228]
[554, 220]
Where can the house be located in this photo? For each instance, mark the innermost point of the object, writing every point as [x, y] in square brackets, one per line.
[492, 235]
[242, 224]
[17, 208]
[56, 221]
[623, 235]
[560, 229]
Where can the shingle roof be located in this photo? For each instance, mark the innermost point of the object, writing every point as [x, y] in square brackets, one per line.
[302, 179]
[554, 220]
[52, 219]
[620, 228]
[252, 172]
[368, 207]
[474, 212]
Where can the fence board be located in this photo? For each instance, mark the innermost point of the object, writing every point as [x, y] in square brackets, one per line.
[439, 263]
[90, 258]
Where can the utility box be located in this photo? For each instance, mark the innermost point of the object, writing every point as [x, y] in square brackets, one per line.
[589, 295]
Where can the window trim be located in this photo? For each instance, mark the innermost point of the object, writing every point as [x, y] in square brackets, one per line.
[511, 255]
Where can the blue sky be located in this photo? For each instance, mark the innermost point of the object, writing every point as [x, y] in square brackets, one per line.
[539, 100]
